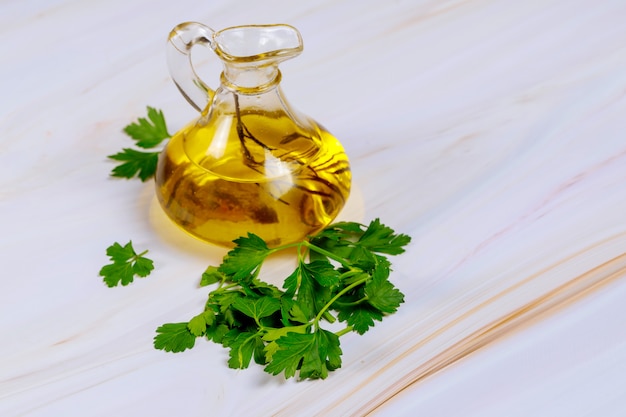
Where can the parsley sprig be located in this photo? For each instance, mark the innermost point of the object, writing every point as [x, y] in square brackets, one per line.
[342, 275]
[147, 133]
[125, 264]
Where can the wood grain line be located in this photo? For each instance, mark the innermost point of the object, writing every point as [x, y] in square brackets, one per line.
[538, 309]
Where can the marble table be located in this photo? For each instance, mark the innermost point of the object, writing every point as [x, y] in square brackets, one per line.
[491, 131]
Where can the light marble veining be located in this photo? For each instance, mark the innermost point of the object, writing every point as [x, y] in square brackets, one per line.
[492, 131]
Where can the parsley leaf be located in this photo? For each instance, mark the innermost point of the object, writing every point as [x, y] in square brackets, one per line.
[243, 347]
[248, 255]
[358, 243]
[326, 356]
[198, 325]
[149, 132]
[135, 163]
[322, 272]
[382, 239]
[174, 337]
[381, 293]
[314, 354]
[210, 276]
[125, 265]
[290, 351]
[360, 317]
[307, 281]
[259, 308]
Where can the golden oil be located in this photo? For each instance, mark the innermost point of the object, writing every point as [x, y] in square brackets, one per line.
[253, 171]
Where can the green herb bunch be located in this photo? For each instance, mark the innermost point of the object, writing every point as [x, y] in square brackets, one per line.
[342, 274]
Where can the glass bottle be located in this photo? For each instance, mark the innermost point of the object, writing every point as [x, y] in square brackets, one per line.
[249, 162]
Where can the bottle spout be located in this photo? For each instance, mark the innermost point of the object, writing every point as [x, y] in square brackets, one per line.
[258, 43]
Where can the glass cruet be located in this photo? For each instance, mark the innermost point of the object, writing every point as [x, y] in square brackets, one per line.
[249, 162]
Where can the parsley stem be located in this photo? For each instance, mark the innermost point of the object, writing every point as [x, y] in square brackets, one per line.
[329, 317]
[344, 331]
[283, 247]
[326, 253]
[351, 273]
[134, 258]
[336, 297]
[227, 287]
[353, 303]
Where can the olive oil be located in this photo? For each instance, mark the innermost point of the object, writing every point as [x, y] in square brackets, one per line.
[250, 163]
[254, 171]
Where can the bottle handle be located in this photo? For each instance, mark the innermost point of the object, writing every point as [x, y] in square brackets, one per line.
[181, 39]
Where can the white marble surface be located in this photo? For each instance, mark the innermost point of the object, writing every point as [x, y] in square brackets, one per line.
[492, 131]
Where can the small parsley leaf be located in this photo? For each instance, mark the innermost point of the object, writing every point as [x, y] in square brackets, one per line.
[210, 276]
[125, 265]
[382, 294]
[382, 239]
[174, 337]
[259, 308]
[361, 317]
[313, 354]
[242, 348]
[307, 291]
[326, 357]
[290, 351]
[248, 255]
[323, 272]
[198, 325]
[135, 163]
[149, 132]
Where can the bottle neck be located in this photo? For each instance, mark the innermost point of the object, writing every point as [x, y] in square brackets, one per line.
[250, 79]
